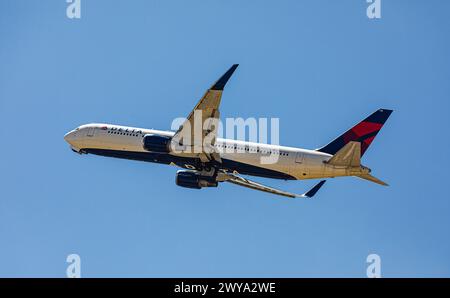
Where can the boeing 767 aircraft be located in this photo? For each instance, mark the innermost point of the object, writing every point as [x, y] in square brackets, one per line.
[208, 160]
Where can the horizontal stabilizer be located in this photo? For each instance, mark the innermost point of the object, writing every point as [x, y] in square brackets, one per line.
[348, 156]
[373, 179]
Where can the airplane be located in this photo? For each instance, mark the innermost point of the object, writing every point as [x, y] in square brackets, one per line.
[206, 164]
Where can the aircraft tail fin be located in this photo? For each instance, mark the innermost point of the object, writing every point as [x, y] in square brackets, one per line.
[364, 132]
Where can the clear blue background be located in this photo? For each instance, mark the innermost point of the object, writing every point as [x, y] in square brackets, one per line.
[320, 66]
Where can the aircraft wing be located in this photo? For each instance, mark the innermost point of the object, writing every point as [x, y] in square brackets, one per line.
[238, 180]
[198, 133]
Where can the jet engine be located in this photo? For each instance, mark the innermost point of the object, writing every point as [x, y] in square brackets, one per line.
[156, 143]
[192, 179]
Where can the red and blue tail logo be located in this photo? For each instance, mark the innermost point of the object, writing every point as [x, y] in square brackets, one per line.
[364, 132]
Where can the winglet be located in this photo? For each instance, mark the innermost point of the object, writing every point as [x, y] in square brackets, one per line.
[313, 190]
[220, 84]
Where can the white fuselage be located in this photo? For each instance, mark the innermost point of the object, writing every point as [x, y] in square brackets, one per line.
[242, 157]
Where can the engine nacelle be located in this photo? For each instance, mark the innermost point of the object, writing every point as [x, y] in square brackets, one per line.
[192, 179]
[156, 143]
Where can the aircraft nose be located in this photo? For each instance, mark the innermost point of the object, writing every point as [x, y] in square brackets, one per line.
[69, 137]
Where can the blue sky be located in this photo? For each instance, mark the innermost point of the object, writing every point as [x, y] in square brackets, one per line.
[319, 66]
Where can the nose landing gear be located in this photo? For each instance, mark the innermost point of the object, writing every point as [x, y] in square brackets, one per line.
[79, 151]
